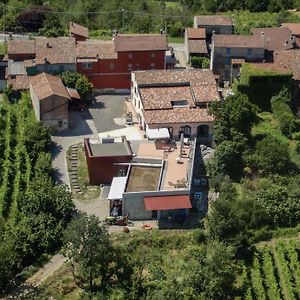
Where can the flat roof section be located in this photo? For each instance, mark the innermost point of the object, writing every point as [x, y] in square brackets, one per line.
[143, 179]
[110, 149]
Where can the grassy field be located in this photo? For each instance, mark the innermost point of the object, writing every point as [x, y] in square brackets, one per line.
[160, 251]
[172, 4]
[268, 125]
[175, 39]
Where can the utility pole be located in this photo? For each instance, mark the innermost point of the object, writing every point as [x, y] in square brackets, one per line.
[123, 20]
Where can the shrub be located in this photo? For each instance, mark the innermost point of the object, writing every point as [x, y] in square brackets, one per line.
[199, 62]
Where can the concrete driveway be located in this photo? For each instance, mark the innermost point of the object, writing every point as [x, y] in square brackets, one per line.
[80, 125]
[109, 112]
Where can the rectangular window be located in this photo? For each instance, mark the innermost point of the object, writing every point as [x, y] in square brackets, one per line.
[227, 60]
[61, 69]
[111, 66]
[129, 67]
[129, 55]
[86, 65]
[249, 51]
[152, 65]
[228, 51]
[152, 54]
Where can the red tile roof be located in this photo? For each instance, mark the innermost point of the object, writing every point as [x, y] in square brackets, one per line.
[159, 88]
[150, 96]
[73, 93]
[213, 20]
[61, 50]
[276, 38]
[19, 83]
[197, 46]
[167, 202]
[21, 46]
[195, 33]
[293, 27]
[237, 41]
[140, 42]
[177, 116]
[96, 49]
[45, 85]
[78, 30]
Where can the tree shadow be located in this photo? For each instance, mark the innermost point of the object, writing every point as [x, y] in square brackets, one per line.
[25, 291]
[55, 149]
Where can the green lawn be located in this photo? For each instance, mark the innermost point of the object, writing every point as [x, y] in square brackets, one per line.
[3, 48]
[175, 39]
[172, 4]
[90, 191]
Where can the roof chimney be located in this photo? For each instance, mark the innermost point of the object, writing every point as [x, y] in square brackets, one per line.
[262, 33]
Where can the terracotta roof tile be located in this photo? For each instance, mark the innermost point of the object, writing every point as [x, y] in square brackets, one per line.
[150, 96]
[213, 20]
[276, 38]
[197, 46]
[195, 33]
[20, 82]
[21, 46]
[61, 50]
[237, 41]
[94, 49]
[73, 93]
[140, 42]
[293, 27]
[45, 85]
[159, 88]
[78, 30]
[177, 115]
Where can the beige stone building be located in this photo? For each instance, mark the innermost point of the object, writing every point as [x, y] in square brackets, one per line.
[50, 100]
[226, 49]
[214, 24]
[175, 99]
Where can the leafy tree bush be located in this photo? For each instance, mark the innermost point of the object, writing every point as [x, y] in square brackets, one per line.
[79, 82]
[52, 27]
[271, 156]
[281, 110]
[199, 62]
[233, 118]
[95, 262]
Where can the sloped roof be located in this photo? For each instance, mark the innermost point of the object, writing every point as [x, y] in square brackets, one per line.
[78, 30]
[140, 42]
[96, 49]
[45, 85]
[293, 27]
[61, 50]
[19, 82]
[159, 88]
[195, 33]
[197, 46]
[213, 20]
[275, 38]
[238, 41]
[21, 46]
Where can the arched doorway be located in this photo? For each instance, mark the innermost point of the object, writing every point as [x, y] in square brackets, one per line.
[186, 130]
[203, 131]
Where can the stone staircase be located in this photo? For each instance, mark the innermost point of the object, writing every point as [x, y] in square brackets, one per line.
[73, 172]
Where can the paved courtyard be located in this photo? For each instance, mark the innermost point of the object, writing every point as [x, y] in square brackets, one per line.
[108, 112]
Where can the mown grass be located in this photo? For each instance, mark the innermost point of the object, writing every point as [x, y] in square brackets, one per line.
[175, 39]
